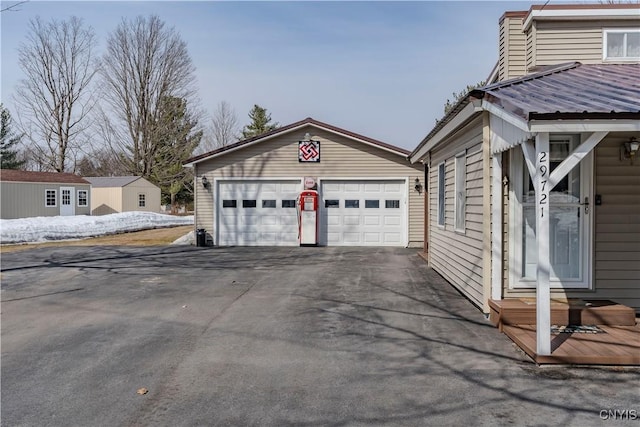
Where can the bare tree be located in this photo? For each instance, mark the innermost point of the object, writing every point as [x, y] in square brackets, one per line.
[54, 98]
[13, 7]
[145, 62]
[224, 125]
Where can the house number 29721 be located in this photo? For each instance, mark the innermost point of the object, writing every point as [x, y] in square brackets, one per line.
[544, 171]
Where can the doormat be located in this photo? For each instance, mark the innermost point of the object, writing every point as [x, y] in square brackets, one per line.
[576, 329]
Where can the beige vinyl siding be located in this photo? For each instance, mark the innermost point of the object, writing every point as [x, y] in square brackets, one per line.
[616, 260]
[106, 200]
[130, 194]
[27, 199]
[458, 256]
[340, 157]
[512, 49]
[565, 41]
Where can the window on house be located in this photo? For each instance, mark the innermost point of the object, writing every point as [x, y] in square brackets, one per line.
[142, 200]
[229, 203]
[249, 204]
[621, 44]
[352, 203]
[50, 198]
[460, 200]
[392, 204]
[83, 198]
[441, 198]
[268, 203]
[288, 203]
[371, 204]
[332, 203]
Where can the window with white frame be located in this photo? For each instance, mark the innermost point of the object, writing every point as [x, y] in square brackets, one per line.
[441, 197]
[621, 44]
[50, 197]
[460, 201]
[142, 200]
[83, 198]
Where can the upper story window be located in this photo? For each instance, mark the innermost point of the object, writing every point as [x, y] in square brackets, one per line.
[621, 44]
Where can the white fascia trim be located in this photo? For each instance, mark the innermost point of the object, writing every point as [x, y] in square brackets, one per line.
[398, 153]
[599, 125]
[277, 134]
[460, 118]
[574, 14]
[516, 121]
[248, 144]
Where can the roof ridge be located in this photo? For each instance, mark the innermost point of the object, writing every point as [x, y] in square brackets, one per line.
[554, 69]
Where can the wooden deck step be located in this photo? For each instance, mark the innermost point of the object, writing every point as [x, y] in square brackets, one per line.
[617, 345]
[516, 311]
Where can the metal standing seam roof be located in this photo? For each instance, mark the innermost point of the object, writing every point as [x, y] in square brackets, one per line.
[111, 181]
[14, 175]
[574, 90]
[566, 91]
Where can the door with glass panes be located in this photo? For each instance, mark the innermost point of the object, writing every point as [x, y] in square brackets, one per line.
[569, 223]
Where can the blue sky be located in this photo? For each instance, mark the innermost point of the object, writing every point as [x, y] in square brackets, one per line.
[382, 69]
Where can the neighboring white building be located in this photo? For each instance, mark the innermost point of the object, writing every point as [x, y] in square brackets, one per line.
[114, 194]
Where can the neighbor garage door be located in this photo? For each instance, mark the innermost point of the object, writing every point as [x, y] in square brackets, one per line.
[363, 213]
[257, 213]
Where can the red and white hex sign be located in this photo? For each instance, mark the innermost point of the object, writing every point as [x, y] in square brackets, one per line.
[309, 151]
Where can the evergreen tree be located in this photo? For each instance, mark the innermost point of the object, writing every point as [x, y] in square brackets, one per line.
[260, 122]
[175, 136]
[8, 154]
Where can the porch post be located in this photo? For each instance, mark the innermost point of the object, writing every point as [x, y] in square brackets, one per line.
[543, 294]
[496, 227]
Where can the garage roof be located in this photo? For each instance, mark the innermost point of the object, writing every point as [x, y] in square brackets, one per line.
[111, 181]
[290, 128]
[12, 175]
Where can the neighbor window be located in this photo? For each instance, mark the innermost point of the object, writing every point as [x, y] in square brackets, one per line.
[461, 190]
[50, 198]
[371, 204]
[142, 200]
[249, 204]
[268, 203]
[392, 204]
[229, 203]
[288, 203]
[621, 44]
[441, 194]
[352, 203]
[83, 199]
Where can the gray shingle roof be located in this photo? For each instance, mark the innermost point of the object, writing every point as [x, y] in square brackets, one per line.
[111, 181]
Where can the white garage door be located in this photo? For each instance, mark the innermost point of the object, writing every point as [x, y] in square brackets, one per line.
[257, 213]
[363, 213]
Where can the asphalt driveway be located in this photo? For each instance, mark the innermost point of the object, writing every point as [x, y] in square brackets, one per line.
[269, 336]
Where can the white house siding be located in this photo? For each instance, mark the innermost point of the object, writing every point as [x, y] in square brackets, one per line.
[617, 230]
[458, 256]
[555, 42]
[27, 199]
[340, 157]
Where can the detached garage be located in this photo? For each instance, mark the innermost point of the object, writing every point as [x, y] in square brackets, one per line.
[369, 195]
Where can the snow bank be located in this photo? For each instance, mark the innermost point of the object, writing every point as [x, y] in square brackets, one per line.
[42, 229]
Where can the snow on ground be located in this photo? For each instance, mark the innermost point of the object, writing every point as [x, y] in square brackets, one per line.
[42, 229]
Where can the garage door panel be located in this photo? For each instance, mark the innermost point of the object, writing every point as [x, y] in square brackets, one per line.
[371, 220]
[363, 214]
[258, 218]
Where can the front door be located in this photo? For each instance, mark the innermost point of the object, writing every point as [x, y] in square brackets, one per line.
[569, 227]
[67, 195]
